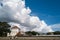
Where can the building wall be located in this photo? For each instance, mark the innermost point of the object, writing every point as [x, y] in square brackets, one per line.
[14, 32]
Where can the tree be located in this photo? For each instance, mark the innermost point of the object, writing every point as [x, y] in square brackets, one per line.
[30, 33]
[50, 33]
[4, 29]
[56, 33]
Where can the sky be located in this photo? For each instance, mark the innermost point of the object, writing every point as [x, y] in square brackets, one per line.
[31, 15]
[47, 10]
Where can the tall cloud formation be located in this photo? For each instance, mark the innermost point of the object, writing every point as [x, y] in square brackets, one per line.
[17, 14]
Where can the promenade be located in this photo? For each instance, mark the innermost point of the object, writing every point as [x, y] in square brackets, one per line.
[42, 37]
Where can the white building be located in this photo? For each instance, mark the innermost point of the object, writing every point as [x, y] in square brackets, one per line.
[15, 31]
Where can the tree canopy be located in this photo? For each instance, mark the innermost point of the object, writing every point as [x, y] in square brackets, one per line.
[4, 28]
[54, 33]
[32, 33]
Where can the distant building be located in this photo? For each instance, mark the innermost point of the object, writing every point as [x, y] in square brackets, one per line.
[16, 31]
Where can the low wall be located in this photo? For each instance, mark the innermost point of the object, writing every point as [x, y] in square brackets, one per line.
[32, 38]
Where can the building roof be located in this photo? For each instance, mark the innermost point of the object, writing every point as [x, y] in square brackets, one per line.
[15, 27]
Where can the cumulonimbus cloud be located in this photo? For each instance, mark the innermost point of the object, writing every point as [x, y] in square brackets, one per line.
[16, 13]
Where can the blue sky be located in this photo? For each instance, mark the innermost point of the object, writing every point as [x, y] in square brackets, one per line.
[47, 10]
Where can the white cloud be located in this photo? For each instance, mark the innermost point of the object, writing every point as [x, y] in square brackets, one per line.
[43, 27]
[55, 27]
[15, 13]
